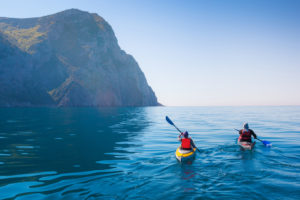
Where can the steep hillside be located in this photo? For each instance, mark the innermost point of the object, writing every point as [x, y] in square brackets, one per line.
[71, 58]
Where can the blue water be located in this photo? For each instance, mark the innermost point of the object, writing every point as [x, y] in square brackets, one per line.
[128, 153]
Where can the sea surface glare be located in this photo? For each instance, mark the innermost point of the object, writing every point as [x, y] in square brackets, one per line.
[129, 153]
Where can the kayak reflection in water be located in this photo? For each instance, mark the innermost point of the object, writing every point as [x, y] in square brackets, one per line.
[186, 142]
[246, 133]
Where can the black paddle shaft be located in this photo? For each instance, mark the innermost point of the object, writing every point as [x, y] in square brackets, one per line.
[177, 128]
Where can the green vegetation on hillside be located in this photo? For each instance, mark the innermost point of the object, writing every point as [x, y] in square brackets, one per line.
[24, 38]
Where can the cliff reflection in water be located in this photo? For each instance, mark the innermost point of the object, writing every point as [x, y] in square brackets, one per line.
[64, 139]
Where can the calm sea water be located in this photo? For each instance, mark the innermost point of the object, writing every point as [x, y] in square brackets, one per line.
[128, 153]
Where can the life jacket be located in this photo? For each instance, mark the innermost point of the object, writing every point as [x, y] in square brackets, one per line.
[246, 135]
[186, 143]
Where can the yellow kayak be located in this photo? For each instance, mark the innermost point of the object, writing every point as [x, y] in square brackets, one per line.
[183, 155]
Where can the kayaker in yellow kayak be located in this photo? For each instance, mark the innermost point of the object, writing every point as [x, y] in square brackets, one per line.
[186, 142]
[246, 133]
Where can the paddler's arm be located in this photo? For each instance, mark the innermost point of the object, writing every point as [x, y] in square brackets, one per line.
[193, 144]
[252, 133]
[179, 137]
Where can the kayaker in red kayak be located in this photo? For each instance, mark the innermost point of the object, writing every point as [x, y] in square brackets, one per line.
[246, 133]
[186, 142]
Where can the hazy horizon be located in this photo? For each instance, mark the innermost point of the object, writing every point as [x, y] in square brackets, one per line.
[201, 53]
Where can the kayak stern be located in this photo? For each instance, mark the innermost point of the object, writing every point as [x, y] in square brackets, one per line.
[184, 155]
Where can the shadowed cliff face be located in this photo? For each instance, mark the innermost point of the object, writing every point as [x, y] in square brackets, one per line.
[71, 58]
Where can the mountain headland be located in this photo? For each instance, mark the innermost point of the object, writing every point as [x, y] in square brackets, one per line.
[71, 58]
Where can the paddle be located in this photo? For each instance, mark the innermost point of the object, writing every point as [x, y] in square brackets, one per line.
[265, 142]
[170, 122]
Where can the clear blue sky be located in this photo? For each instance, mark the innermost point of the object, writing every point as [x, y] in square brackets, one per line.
[201, 52]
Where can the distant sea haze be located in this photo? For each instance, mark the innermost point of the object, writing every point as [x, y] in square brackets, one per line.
[71, 58]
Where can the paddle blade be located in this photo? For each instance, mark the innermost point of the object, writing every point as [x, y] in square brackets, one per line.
[267, 143]
[169, 121]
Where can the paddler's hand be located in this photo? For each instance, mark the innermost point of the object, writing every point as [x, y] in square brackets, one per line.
[179, 136]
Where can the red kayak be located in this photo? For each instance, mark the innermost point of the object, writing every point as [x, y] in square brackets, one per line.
[246, 145]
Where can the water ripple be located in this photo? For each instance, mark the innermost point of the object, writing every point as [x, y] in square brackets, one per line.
[128, 153]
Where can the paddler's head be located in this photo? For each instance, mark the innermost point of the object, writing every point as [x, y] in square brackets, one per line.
[186, 134]
[246, 126]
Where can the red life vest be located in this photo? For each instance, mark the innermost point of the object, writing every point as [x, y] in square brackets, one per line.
[186, 143]
[246, 135]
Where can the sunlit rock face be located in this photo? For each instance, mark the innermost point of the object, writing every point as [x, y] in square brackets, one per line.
[71, 58]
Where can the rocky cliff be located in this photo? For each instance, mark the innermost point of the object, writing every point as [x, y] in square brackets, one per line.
[71, 58]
